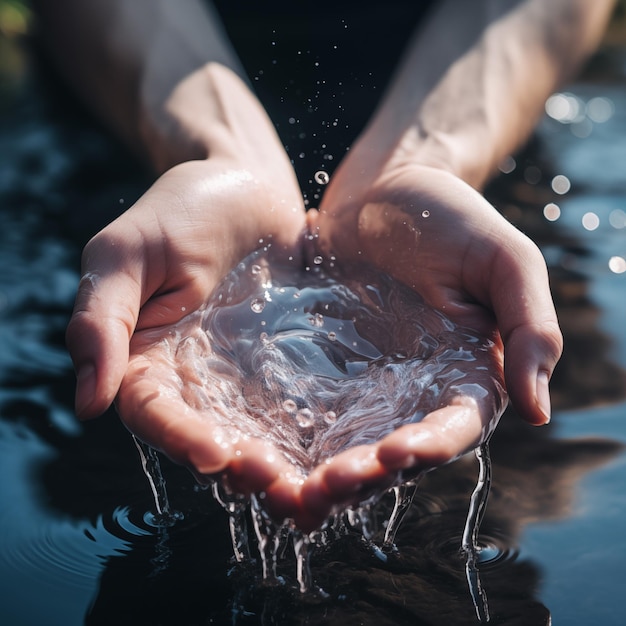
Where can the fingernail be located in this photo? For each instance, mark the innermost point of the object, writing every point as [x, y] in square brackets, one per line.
[543, 395]
[85, 388]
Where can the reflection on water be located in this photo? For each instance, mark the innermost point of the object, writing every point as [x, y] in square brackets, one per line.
[77, 544]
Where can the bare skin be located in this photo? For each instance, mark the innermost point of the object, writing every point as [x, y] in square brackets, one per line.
[177, 97]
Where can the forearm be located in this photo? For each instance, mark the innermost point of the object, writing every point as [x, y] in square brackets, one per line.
[161, 74]
[474, 82]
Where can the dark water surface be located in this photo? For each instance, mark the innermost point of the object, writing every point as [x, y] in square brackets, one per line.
[76, 542]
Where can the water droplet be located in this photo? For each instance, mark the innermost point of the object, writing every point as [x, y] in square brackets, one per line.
[321, 177]
[330, 417]
[305, 418]
[255, 269]
[426, 213]
[290, 406]
[257, 305]
[318, 260]
[317, 320]
[332, 336]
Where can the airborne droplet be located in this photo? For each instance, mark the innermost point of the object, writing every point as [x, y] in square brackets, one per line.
[257, 305]
[317, 320]
[321, 177]
[305, 418]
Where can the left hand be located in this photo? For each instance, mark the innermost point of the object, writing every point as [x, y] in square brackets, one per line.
[439, 236]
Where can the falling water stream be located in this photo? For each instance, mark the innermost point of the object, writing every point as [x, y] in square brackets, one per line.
[271, 539]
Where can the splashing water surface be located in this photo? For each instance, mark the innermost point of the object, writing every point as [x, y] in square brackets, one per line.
[317, 363]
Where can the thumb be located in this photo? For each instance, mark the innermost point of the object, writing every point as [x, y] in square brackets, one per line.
[102, 323]
[520, 294]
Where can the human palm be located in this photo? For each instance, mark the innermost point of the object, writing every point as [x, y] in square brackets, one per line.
[439, 236]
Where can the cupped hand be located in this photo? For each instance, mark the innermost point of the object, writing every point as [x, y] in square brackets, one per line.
[160, 260]
[438, 235]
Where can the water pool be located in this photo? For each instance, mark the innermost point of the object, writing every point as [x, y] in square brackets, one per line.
[78, 546]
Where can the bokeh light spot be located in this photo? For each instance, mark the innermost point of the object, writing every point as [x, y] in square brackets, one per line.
[507, 165]
[600, 109]
[590, 221]
[551, 212]
[565, 108]
[617, 218]
[561, 184]
[532, 174]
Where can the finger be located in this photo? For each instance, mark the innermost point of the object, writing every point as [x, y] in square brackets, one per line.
[255, 465]
[161, 418]
[521, 299]
[103, 320]
[282, 499]
[315, 504]
[348, 478]
[441, 437]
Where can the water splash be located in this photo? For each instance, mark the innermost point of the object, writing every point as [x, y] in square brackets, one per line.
[284, 544]
[317, 363]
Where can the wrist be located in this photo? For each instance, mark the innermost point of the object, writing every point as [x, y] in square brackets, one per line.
[210, 113]
[465, 155]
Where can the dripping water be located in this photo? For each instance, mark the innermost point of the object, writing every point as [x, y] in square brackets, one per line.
[151, 465]
[236, 508]
[469, 544]
[272, 540]
[403, 495]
